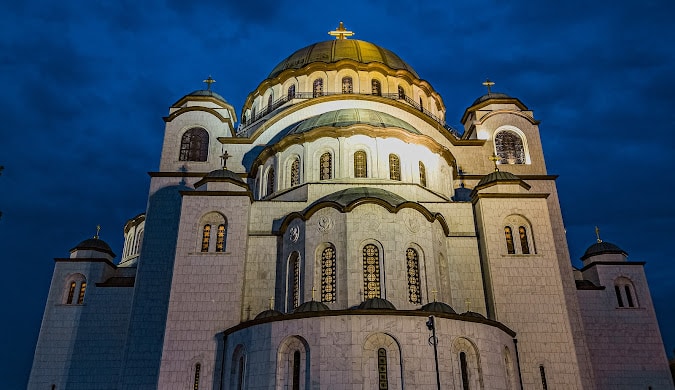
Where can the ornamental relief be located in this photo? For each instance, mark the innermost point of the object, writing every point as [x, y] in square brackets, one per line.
[370, 222]
[294, 234]
[325, 224]
[412, 224]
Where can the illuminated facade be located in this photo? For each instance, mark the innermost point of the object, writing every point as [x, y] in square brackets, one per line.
[306, 248]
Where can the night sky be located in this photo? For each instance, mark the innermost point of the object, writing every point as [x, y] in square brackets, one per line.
[85, 85]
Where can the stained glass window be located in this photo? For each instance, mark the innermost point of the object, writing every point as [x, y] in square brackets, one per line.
[525, 246]
[80, 296]
[413, 264]
[198, 368]
[371, 272]
[401, 92]
[71, 293]
[382, 369]
[360, 164]
[317, 88]
[465, 370]
[270, 181]
[326, 163]
[206, 236]
[328, 274]
[509, 148]
[423, 175]
[194, 145]
[220, 238]
[291, 92]
[294, 280]
[295, 172]
[394, 167]
[542, 373]
[347, 85]
[509, 240]
[376, 87]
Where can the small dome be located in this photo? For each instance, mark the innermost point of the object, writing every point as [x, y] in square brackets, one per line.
[601, 248]
[351, 116]
[268, 314]
[376, 304]
[438, 307]
[491, 95]
[94, 244]
[341, 49]
[311, 306]
[223, 174]
[497, 176]
[346, 197]
[206, 92]
[473, 314]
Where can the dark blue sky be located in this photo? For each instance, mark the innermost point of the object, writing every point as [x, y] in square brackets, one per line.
[85, 84]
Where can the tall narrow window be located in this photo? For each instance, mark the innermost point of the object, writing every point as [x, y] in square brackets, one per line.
[413, 264]
[326, 163]
[206, 236]
[270, 181]
[423, 175]
[220, 238]
[240, 377]
[619, 299]
[328, 274]
[295, 172]
[629, 296]
[382, 369]
[80, 296]
[465, 370]
[421, 105]
[360, 164]
[401, 92]
[194, 145]
[524, 245]
[347, 85]
[71, 293]
[294, 281]
[509, 240]
[509, 148]
[198, 368]
[317, 88]
[394, 167]
[371, 272]
[296, 370]
[291, 92]
[376, 87]
[269, 102]
[542, 373]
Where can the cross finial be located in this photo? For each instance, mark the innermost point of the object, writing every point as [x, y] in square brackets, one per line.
[434, 292]
[488, 83]
[341, 32]
[98, 230]
[208, 82]
[597, 234]
[494, 158]
[271, 303]
[224, 157]
[468, 304]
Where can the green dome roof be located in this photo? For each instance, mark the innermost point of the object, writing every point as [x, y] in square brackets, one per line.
[351, 116]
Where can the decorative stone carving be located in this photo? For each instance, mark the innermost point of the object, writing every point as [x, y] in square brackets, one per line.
[324, 224]
[294, 234]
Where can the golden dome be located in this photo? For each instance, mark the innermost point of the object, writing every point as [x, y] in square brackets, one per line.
[341, 49]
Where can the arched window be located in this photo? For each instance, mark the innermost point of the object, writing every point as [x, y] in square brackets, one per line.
[376, 87]
[524, 245]
[382, 368]
[296, 371]
[542, 374]
[221, 238]
[625, 292]
[71, 293]
[291, 92]
[206, 237]
[401, 92]
[139, 241]
[317, 88]
[293, 295]
[371, 271]
[295, 172]
[194, 145]
[413, 264]
[75, 289]
[292, 363]
[270, 181]
[464, 370]
[198, 368]
[240, 374]
[510, 249]
[423, 175]
[421, 105]
[80, 296]
[326, 166]
[509, 148]
[394, 167]
[328, 274]
[347, 85]
[270, 101]
[360, 164]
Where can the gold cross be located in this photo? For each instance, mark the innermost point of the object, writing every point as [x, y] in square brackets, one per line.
[488, 84]
[224, 158]
[271, 303]
[98, 229]
[341, 32]
[468, 304]
[434, 292]
[208, 82]
[494, 158]
[597, 234]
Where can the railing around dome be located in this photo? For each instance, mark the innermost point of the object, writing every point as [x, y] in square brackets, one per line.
[310, 95]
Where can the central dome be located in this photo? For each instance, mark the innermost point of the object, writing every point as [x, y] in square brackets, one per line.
[341, 49]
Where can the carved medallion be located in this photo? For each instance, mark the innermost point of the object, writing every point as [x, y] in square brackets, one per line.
[324, 224]
[294, 233]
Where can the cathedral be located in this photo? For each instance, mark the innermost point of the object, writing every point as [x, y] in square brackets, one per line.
[339, 234]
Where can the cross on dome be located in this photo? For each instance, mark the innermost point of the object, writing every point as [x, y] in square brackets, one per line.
[224, 157]
[494, 158]
[597, 234]
[341, 32]
[98, 230]
[488, 83]
[208, 82]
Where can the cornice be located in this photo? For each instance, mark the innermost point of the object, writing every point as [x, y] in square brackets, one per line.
[209, 110]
